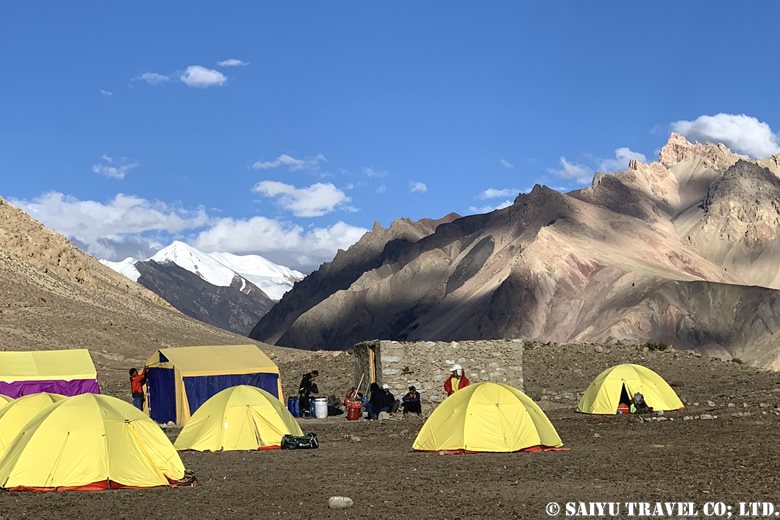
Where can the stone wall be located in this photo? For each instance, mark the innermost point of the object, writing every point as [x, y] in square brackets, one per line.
[425, 364]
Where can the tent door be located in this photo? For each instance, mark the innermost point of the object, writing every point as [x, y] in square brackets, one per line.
[161, 394]
[200, 388]
[624, 397]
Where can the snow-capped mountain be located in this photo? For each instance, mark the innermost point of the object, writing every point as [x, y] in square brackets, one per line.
[229, 291]
[219, 269]
[125, 267]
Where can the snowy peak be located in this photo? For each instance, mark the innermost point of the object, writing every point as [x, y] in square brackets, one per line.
[196, 262]
[220, 269]
[125, 267]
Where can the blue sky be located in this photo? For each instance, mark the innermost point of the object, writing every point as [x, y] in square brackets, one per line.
[120, 128]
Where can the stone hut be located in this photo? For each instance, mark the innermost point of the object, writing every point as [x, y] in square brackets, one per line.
[425, 364]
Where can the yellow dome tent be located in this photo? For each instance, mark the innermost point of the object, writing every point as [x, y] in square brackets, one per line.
[15, 415]
[604, 393]
[238, 418]
[90, 442]
[5, 399]
[489, 417]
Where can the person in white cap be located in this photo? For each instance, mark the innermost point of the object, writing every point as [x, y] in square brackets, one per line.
[457, 380]
[381, 400]
[390, 403]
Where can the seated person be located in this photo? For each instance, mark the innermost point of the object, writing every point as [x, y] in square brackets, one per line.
[411, 401]
[334, 406]
[390, 404]
[380, 400]
[351, 395]
[638, 404]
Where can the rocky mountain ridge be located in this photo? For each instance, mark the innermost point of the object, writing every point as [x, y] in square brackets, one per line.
[681, 250]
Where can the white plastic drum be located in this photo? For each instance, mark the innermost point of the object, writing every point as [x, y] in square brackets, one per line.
[320, 408]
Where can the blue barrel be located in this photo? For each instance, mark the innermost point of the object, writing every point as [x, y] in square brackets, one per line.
[293, 406]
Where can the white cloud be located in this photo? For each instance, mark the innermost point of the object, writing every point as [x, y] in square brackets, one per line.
[417, 187]
[494, 193]
[201, 77]
[741, 133]
[291, 163]
[128, 225]
[488, 209]
[573, 171]
[506, 164]
[381, 188]
[620, 162]
[100, 227]
[152, 78]
[372, 173]
[313, 201]
[278, 241]
[106, 92]
[114, 169]
[232, 62]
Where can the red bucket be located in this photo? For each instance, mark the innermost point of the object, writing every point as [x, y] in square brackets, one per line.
[353, 410]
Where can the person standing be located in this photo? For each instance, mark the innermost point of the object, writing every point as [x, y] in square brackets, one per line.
[457, 380]
[306, 389]
[137, 382]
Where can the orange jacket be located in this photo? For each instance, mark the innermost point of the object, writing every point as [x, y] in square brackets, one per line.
[137, 383]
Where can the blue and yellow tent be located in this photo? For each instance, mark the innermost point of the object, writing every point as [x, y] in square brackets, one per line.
[180, 380]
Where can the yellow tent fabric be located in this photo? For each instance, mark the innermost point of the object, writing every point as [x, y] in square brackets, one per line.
[217, 360]
[90, 442]
[603, 394]
[5, 399]
[238, 418]
[491, 417]
[15, 415]
[65, 365]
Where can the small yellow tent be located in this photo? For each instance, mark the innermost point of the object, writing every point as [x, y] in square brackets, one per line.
[604, 394]
[238, 418]
[180, 380]
[487, 417]
[90, 442]
[15, 415]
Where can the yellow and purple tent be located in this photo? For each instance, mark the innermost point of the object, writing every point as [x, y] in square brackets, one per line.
[180, 380]
[64, 372]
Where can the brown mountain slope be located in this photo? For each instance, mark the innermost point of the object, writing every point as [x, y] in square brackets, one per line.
[620, 260]
[54, 296]
[345, 268]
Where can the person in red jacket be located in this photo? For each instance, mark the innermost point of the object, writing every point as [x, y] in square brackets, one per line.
[137, 382]
[457, 380]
